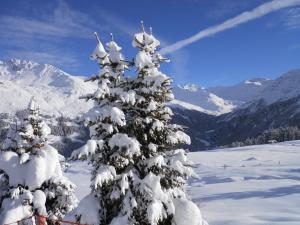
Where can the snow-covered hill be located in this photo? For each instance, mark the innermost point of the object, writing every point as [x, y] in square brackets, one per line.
[56, 91]
[240, 186]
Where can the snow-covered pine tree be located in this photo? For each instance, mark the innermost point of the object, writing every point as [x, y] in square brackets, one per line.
[30, 135]
[31, 168]
[139, 175]
[112, 94]
[153, 186]
[109, 150]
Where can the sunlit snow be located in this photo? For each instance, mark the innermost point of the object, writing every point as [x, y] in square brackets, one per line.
[240, 186]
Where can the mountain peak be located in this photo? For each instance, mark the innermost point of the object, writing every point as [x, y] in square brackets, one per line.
[19, 64]
[53, 88]
[190, 87]
[291, 74]
[255, 81]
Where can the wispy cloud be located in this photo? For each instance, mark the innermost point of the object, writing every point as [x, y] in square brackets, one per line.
[42, 37]
[291, 18]
[63, 22]
[65, 58]
[219, 9]
[245, 17]
[117, 22]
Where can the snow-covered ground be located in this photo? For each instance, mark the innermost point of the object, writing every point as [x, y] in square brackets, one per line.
[257, 185]
[249, 185]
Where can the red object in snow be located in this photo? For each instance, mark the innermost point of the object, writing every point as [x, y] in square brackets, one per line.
[42, 220]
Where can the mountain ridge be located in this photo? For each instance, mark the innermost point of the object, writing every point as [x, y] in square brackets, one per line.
[210, 119]
[56, 91]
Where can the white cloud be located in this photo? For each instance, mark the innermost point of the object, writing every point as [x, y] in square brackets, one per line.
[219, 9]
[291, 18]
[48, 57]
[41, 37]
[258, 12]
[62, 23]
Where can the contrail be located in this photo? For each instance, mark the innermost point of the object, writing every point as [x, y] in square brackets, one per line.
[244, 17]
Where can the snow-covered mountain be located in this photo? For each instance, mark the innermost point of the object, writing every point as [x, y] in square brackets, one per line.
[223, 99]
[281, 88]
[56, 91]
[243, 92]
[284, 87]
[197, 98]
[214, 116]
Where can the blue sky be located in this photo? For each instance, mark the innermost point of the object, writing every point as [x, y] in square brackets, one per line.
[60, 32]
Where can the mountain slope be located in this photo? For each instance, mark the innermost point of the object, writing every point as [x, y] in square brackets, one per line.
[56, 91]
[243, 92]
[204, 100]
[282, 88]
[208, 131]
[211, 121]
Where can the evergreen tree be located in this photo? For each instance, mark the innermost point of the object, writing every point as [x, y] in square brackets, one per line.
[154, 191]
[31, 169]
[110, 150]
[139, 174]
[30, 135]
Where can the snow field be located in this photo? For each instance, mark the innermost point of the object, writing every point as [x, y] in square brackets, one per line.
[255, 185]
[249, 185]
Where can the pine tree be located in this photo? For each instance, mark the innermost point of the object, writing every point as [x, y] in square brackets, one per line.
[30, 135]
[31, 168]
[110, 150]
[154, 184]
[139, 174]
[111, 96]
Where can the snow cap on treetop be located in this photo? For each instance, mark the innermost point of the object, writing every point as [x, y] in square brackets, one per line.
[99, 52]
[145, 41]
[112, 45]
[114, 54]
